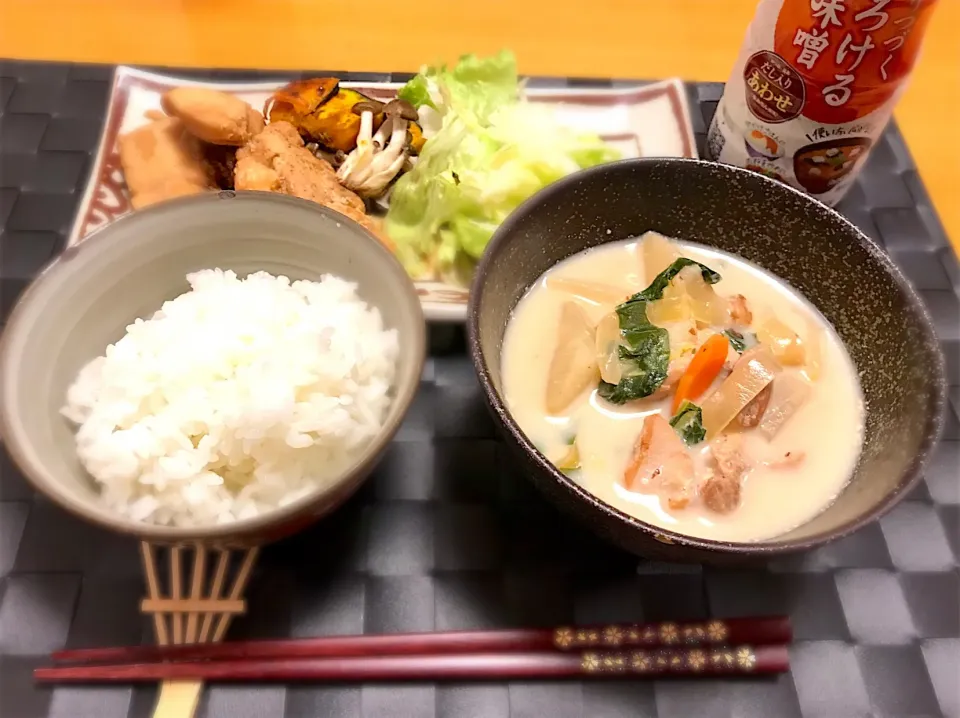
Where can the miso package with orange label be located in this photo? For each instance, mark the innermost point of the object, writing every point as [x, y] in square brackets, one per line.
[814, 85]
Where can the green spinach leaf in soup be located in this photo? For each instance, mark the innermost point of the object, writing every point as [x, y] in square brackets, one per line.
[662, 280]
[740, 341]
[644, 355]
[645, 347]
[688, 423]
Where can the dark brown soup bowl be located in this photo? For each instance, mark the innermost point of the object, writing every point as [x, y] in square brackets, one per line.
[877, 314]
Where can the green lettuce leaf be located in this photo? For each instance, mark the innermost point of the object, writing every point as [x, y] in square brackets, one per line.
[491, 152]
[417, 92]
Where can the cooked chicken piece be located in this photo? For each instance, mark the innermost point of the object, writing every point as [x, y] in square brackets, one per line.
[213, 116]
[253, 175]
[739, 311]
[295, 170]
[751, 415]
[788, 461]
[731, 460]
[721, 492]
[660, 463]
[161, 160]
[276, 161]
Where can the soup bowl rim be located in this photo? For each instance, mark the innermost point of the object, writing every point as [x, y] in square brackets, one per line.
[765, 547]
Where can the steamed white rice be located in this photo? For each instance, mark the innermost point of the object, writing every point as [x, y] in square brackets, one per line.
[236, 397]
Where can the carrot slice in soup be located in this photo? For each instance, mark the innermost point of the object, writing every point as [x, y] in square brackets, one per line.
[703, 369]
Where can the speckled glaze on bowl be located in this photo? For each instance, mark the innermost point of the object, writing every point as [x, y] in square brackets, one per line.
[86, 297]
[878, 315]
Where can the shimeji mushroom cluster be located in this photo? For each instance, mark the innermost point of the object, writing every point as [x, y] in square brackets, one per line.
[377, 158]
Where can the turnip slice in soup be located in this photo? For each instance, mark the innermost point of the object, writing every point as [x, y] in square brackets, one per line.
[755, 369]
[673, 306]
[674, 312]
[656, 254]
[593, 292]
[789, 394]
[784, 343]
[608, 348]
[574, 364]
[709, 309]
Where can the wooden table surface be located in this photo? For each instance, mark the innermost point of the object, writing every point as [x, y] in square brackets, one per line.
[693, 39]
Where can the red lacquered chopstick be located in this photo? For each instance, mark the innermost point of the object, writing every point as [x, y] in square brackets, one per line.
[741, 660]
[752, 631]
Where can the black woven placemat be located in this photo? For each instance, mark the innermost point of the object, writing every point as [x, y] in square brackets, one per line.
[447, 535]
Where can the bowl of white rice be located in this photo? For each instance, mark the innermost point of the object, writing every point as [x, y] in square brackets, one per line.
[223, 368]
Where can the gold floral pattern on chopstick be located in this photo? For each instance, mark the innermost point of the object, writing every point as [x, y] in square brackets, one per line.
[696, 659]
[613, 635]
[590, 662]
[563, 638]
[746, 659]
[717, 631]
[641, 662]
[670, 660]
[615, 662]
[667, 633]
[722, 658]
[694, 635]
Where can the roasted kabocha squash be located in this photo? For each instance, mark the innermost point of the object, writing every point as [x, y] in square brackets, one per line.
[322, 112]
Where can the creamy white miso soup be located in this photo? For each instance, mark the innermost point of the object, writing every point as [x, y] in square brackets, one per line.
[685, 387]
